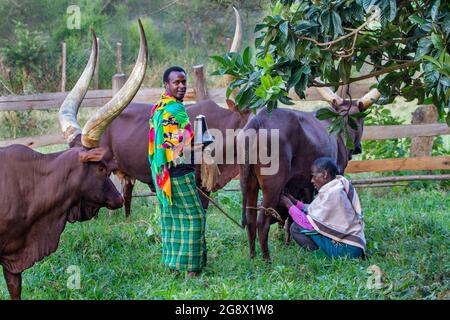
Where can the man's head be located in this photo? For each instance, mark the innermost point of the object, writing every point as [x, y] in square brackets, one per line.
[323, 170]
[175, 82]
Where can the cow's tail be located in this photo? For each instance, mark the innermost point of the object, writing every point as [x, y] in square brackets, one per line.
[246, 169]
[244, 185]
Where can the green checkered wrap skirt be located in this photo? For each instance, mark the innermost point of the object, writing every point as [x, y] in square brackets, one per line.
[183, 227]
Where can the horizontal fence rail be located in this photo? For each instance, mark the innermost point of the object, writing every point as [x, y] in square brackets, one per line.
[36, 142]
[97, 98]
[405, 131]
[399, 164]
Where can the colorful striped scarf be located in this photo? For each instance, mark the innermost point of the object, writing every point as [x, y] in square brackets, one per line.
[169, 122]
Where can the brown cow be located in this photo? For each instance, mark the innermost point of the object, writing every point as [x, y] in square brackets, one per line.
[41, 192]
[126, 139]
[130, 160]
[302, 139]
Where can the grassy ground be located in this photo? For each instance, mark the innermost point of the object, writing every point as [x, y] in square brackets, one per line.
[407, 233]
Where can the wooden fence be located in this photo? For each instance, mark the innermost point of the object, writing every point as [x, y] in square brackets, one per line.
[97, 98]
[370, 133]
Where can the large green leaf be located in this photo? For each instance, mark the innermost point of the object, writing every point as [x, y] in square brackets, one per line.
[284, 28]
[290, 49]
[325, 113]
[337, 24]
[247, 56]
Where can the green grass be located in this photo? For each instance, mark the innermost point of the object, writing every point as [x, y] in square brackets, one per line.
[406, 230]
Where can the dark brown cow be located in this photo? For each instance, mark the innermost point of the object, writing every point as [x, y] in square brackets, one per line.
[41, 192]
[302, 139]
[126, 139]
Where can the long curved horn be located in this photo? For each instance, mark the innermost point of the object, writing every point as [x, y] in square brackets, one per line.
[368, 99]
[328, 95]
[69, 108]
[97, 124]
[235, 45]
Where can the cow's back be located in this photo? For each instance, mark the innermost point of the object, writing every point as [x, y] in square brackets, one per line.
[301, 133]
[126, 140]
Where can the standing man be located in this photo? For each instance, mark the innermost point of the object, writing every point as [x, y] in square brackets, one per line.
[182, 215]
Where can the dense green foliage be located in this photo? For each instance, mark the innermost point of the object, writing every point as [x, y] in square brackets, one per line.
[407, 235]
[404, 44]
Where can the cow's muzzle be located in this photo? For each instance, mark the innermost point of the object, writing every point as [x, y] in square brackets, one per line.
[115, 203]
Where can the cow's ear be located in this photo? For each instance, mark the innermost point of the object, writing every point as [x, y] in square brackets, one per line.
[92, 155]
[232, 105]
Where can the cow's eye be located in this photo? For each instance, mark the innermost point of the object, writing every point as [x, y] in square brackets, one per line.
[102, 170]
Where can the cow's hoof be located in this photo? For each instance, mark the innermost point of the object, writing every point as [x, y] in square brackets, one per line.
[287, 243]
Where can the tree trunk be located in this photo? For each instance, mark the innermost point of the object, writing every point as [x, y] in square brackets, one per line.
[25, 80]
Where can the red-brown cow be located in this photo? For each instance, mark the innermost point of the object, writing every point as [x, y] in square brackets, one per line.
[302, 139]
[41, 192]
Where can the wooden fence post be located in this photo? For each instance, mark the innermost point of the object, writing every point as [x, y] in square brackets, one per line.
[118, 80]
[119, 57]
[422, 146]
[63, 66]
[97, 65]
[200, 87]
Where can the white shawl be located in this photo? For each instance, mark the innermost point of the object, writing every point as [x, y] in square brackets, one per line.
[335, 216]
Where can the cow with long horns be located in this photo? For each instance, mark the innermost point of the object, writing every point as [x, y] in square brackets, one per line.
[41, 192]
[302, 139]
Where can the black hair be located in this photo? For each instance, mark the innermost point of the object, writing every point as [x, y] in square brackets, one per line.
[327, 164]
[171, 69]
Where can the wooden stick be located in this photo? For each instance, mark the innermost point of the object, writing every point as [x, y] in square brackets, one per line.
[220, 209]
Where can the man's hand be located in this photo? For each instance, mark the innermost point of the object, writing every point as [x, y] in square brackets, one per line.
[177, 150]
